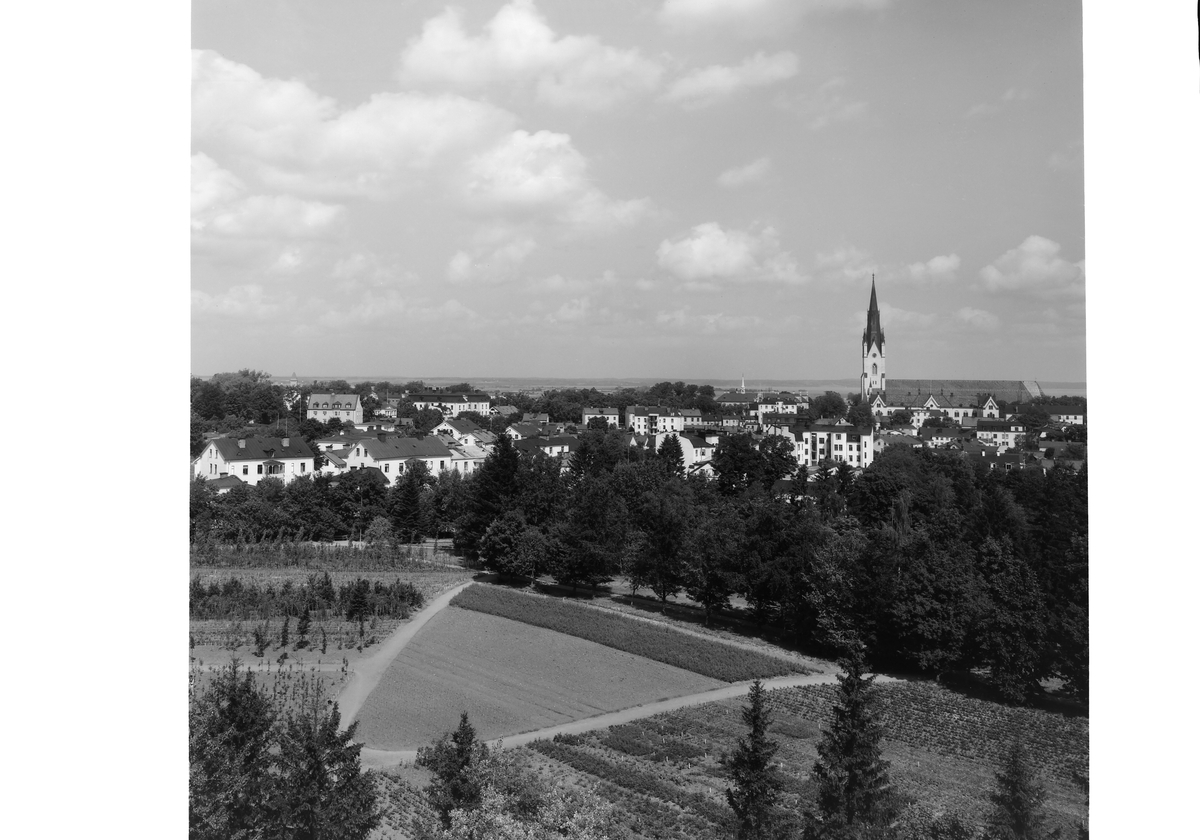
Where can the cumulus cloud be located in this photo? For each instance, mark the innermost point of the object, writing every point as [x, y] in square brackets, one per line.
[297, 140]
[544, 172]
[979, 319]
[750, 17]
[740, 176]
[518, 47]
[489, 261]
[940, 269]
[710, 253]
[221, 207]
[846, 263]
[1034, 266]
[710, 85]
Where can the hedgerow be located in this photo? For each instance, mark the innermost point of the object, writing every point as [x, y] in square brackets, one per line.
[662, 644]
[249, 599]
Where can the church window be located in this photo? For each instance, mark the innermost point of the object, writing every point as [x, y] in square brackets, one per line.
[874, 369]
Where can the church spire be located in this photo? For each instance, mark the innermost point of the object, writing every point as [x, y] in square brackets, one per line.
[873, 334]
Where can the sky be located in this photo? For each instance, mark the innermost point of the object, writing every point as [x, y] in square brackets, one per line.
[675, 189]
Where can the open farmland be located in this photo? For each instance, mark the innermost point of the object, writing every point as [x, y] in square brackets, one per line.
[509, 677]
[664, 776]
[652, 641]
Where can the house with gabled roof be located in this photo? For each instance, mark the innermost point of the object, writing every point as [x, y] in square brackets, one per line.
[521, 431]
[1003, 434]
[841, 442]
[392, 454]
[326, 407]
[251, 459]
[652, 419]
[452, 404]
[611, 416]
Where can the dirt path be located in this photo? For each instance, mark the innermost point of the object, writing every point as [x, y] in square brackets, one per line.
[369, 671]
[379, 759]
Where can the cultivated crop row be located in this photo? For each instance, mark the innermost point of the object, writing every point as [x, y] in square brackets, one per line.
[400, 803]
[294, 553]
[635, 781]
[928, 716]
[656, 642]
[249, 599]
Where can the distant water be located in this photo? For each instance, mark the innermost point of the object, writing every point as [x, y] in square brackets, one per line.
[517, 384]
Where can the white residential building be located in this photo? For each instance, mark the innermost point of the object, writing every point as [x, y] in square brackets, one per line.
[254, 458]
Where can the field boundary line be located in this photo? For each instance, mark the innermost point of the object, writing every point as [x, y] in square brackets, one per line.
[369, 671]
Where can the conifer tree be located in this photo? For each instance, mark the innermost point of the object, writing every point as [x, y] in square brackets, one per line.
[756, 784]
[670, 453]
[323, 793]
[452, 760]
[230, 738]
[854, 794]
[1017, 800]
[302, 627]
[283, 634]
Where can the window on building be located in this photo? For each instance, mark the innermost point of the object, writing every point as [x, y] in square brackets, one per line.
[387, 467]
[260, 469]
[303, 466]
[245, 469]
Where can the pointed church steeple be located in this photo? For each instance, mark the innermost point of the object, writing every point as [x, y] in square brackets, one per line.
[873, 334]
[873, 376]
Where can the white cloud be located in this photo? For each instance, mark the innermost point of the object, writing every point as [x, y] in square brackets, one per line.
[710, 253]
[977, 318]
[494, 256]
[296, 140]
[846, 263]
[558, 283]
[750, 17]
[519, 47]
[940, 269]
[710, 85]
[221, 208]
[740, 176]
[1034, 266]
[573, 311]
[543, 172]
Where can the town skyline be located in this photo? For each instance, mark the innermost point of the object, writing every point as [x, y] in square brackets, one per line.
[545, 190]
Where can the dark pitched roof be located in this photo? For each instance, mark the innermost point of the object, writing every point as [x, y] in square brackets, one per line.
[225, 482]
[405, 448]
[261, 448]
[326, 400]
[1009, 390]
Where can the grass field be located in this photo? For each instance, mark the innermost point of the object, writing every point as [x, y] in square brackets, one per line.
[652, 641]
[664, 775]
[510, 678]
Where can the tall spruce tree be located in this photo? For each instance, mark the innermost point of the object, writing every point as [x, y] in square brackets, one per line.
[854, 795]
[453, 760]
[756, 784]
[1017, 800]
[230, 738]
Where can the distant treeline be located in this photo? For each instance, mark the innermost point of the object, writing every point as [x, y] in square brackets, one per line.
[934, 563]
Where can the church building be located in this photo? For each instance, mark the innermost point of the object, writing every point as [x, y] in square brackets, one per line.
[956, 399]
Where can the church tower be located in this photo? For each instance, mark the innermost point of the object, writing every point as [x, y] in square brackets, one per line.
[873, 376]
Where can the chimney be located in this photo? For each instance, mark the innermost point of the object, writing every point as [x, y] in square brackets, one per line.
[286, 442]
[241, 443]
[382, 437]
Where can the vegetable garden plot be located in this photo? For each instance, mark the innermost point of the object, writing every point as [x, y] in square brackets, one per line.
[662, 644]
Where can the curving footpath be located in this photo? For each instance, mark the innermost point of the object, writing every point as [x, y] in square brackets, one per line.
[379, 759]
[369, 671]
